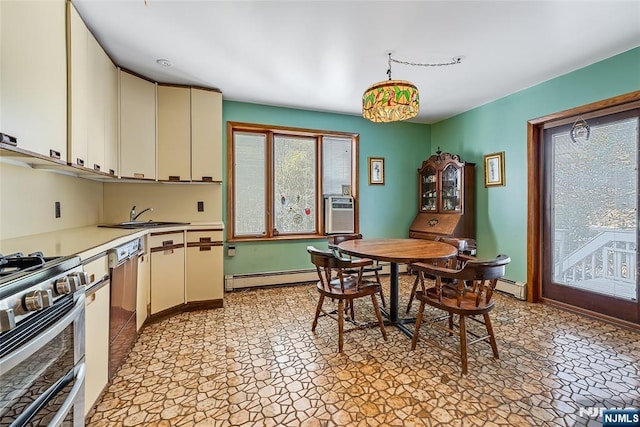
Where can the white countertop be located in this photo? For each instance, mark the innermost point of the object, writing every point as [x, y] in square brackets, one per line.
[88, 241]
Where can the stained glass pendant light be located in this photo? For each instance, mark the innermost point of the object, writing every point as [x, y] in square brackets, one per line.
[393, 100]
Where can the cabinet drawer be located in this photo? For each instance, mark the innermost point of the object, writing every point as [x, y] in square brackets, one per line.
[211, 236]
[166, 239]
[97, 269]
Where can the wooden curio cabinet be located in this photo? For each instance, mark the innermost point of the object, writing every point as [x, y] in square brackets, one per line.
[446, 203]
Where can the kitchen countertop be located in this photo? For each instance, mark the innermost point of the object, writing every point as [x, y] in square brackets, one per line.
[88, 241]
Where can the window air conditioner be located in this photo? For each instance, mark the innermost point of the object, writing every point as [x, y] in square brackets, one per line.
[338, 215]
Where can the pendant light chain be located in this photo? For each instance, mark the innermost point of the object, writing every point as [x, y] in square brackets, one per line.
[455, 60]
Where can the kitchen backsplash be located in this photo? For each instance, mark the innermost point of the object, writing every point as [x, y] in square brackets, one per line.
[28, 198]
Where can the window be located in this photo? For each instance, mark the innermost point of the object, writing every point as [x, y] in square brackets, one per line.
[279, 178]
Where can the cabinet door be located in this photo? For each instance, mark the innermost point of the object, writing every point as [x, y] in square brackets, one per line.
[451, 187]
[137, 127]
[144, 282]
[206, 135]
[167, 271]
[97, 345]
[174, 133]
[167, 279]
[97, 93]
[428, 189]
[110, 73]
[33, 75]
[205, 273]
[79, 86]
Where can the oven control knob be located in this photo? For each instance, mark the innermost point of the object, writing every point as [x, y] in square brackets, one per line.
[63, 286]
[33, 301]
[74, 282]
[47, 297]
[82, 276]
[7, 320]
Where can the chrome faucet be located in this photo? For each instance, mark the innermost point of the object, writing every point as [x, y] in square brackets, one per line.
[133, 216]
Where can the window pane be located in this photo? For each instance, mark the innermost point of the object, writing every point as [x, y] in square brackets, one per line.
[594, 215]
[249, 180]
[294, 187]
[336, 164]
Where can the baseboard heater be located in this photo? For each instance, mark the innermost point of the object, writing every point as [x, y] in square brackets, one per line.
[274, 278]
[511, 287]
[253, 280]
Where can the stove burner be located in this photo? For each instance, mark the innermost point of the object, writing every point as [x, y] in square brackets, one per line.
[17, 263]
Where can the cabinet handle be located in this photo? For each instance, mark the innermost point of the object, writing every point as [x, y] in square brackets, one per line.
[96, 167]
[207, 179]
[138, 175]
[167, 243]
[55, 154]
[112, 172]
[79, 162]
[205, 240]
[90, 299]
[174, 178]
[8, 139]
[205, 248]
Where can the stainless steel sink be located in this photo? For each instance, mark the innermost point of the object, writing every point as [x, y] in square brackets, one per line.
[143, 224]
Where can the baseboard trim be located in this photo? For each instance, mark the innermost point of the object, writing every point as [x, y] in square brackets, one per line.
[592, 314]
[190, 306]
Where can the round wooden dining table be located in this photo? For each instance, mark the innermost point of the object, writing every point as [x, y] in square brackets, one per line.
[398, 251]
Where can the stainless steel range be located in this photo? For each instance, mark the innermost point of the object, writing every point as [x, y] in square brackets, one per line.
[42, 340]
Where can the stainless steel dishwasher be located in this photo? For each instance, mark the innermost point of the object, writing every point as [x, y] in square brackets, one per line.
[123, 268]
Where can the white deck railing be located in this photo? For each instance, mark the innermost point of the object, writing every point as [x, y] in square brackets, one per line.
[609, 255]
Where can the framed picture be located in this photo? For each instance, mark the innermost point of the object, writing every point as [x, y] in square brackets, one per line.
[346, 190]
[376, 170]
[494, 169]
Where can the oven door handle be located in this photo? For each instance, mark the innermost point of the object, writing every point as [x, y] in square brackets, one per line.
[78, 387]
[11, 360]
[25, 417]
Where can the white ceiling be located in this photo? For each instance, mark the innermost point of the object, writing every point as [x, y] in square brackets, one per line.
[322, 55]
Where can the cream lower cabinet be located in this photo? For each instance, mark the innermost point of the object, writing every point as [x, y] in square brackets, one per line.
[167, 270]
[144, 288]
[204, 265]
[97, 345]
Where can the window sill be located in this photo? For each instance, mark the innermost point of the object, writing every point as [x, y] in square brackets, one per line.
[279, 238]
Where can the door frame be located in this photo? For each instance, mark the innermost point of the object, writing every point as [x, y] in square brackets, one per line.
[535, 189]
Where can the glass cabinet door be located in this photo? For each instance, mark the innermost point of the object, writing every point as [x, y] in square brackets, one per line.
[428, 190]
[451, 189]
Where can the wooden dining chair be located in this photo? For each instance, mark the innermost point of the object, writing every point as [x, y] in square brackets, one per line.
[466, 247]
[468, 294]
[375, 267]
[337, 284]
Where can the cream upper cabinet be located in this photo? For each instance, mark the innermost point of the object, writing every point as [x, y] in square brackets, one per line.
[137, 127]
[33, 75]
[79, 88]
[95, 123]
[93, 88]
[174, 133]
[111, 116]
[206, 135]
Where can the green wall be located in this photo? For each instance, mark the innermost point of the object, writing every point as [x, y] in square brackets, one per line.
[385, 210]
[501, 222]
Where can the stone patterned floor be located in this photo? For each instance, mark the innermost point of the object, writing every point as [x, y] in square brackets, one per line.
[257, 363]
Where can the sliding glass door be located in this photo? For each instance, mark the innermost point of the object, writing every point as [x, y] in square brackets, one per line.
[590, 210]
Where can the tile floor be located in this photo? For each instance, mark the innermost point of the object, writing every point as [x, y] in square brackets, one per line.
[257, 363]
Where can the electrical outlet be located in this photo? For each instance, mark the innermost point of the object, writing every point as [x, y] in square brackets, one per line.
[57, 210]
[231, 250]
[200, 206]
